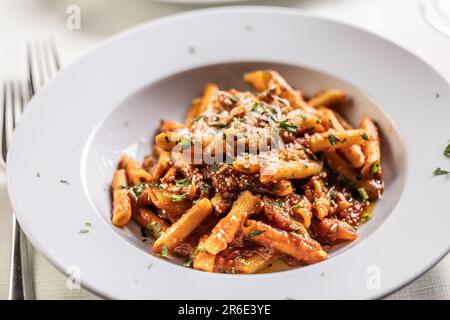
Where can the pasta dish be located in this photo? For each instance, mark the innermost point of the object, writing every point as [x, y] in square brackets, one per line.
[252, 178]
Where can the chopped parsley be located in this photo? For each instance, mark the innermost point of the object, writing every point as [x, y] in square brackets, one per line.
[202, 116]
[154, 185]
[184, 143]
[82, 231]
[363, 194]
[375, 167]
[333, 203]
[138, 189]
[187, 263]
[64, 181]
[213, 167]
[204, 188]
[366, 217]
[440, 172]
[88, 224]
[164, 250]
[255, 107]
[333, 139]
[177, 197]
[249, 186]
[287, 126]
[447, 151]
[365, 136]
[183, 182]
[255, 233]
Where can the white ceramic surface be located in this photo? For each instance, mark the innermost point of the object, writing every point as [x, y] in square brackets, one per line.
[112, 98]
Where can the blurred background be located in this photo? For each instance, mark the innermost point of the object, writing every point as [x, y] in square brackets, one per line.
[78, 26]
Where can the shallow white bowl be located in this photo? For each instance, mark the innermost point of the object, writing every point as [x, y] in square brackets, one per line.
[111, 101]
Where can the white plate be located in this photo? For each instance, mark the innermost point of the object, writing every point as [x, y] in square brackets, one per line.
[75, 128]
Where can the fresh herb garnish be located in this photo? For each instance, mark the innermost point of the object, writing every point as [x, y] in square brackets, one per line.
[304, 117]
[177, 197]
[64, 181]
[333, 203]
[204, 188]
[440, 172]
[249, 186]
[83, 231]
[202, 116]
[363, 194]
[164, 250]
[138, 189]
[375, 167]
[280, 202]
[154, 184]
[447, 151]
[366, 217]
[365, 136]
[187, 263]
[184, 143]
[255, 233]
[255, 107]
[88, 224]
[233, 270]
[287, 126]
[213, 167]
[333, 139]
[183, 182]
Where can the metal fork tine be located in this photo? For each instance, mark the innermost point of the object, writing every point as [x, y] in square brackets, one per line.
[46, 58]
[30, 66]
[4, 144]
[54, 52]
[39, 62]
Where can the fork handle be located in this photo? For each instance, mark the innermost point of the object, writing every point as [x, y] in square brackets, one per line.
[20, 287]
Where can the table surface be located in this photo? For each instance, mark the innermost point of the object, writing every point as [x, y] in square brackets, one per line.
[20, 20]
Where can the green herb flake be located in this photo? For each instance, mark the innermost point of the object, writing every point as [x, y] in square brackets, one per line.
[177, 197]
[333, 139]
[233, 270]
[304, 117]
[138, 189]
[88, 224]
[64, 181]
[333, 203]
[202, 116]
[366, 217]
[213, 168]
[183, 182]
[255, 233]
[184, 143]
[375, 167]
[82, 231]
[363, 194]
[187, 263]
[447, 151]
[164, 250]
[255, 107]
[440, 172]
[287, 126]
[249, 186]
[204, 188]
[365, 136]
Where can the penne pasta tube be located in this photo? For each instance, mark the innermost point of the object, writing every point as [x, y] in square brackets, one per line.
[178, 231]
[121, 213]
[227, 228]
[256, 262]
[302, 210]
[300, 169]
[333, 139]
[341, 167]
[333, 230]
[263, 80]
[209, 93]
[353, 153]
[149, 220]
[203, 260]
[296, 245]
[281, 188]
[193, 112]
[371, 149]
[328, 98]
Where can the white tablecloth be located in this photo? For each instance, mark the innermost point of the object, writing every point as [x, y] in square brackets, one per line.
[397, 20]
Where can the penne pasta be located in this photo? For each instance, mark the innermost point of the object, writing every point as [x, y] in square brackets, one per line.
[333, 139]
[149, 220]
[121, 199]
[227, 228]
[178, 231]
[371, 149]
[328, 98]
[298, 246]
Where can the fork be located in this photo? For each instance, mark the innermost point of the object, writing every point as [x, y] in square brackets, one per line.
[42, 64]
